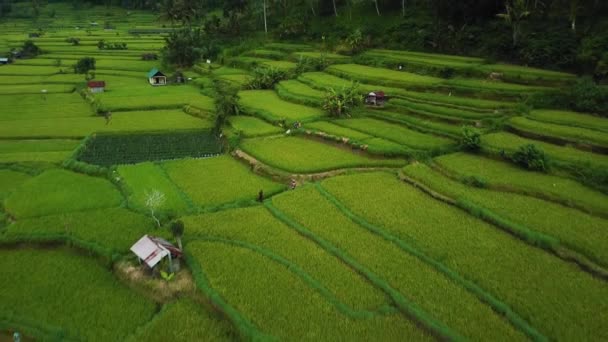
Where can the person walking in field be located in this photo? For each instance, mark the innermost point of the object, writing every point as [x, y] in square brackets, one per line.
[261, 196]
[293, 184]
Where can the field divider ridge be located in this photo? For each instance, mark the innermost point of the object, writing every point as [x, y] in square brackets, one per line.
[410, 309]
[297, 270]
[497, 305]
[525, 234]
[246, 329]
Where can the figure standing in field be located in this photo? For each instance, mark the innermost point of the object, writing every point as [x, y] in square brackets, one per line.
[108, 116]
[261, 196]
[293, 184]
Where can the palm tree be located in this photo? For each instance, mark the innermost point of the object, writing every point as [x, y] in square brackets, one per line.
[516, 12]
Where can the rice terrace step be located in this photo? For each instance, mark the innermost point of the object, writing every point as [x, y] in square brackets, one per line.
[176, 170]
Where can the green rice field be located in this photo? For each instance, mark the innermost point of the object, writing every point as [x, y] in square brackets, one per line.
[385, 222]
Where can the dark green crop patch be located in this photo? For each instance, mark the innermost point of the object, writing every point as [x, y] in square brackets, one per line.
[128, 149]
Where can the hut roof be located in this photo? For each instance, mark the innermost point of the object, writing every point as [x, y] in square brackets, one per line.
[96, 84]
[154, 72]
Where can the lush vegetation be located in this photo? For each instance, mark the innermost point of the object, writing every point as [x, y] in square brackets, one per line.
[216, 181]
[307, 156]
[46, 295]
[57, 191]
[470, 205]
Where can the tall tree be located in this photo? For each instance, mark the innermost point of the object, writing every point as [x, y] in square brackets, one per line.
[516, 12]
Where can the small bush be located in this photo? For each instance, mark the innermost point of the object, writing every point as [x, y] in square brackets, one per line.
[84, 65]
[266, 78]
[475, 181]
[470, 139]
[531, 157]
[73, 40]
[30, 50]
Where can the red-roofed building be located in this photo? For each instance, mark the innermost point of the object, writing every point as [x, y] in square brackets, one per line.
[96, 86]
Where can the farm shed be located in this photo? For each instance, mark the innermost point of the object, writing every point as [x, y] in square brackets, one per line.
[96, 86]
[375, 98]
[3, 60]
[156, 77]
[152, 250]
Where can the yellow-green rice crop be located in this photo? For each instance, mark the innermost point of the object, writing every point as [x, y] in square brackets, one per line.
[251, 126]
[184, 320]
[575, 229]
[142, 179]
[282, 304]
[560, 132]
[57, 191]
[295, 154]
[268, 105]
[219, 180]
[570, 119]
[115, 229]
[415, 280]
[396, 133]
[255, 225]
[533, 282]
[503, 175]
[509, 142]
[76, 293]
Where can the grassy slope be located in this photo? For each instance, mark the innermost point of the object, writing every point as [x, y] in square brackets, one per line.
[57, 191]
[308, 156]
[219, 180]
[64, 289]
[531, 281]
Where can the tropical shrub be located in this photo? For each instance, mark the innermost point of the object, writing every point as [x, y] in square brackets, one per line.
[84, 65]
[30, 50]
[531, 157]
[470, 139]
[342, 102]
[266, 78]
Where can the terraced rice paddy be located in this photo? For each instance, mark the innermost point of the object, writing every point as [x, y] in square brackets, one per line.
[376, 226]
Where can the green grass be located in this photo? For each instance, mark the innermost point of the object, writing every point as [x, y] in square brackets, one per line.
[371, 144]
[560, 132]
[39, 145]
[142, 179]
[530, 280]
[250, 126]
[383, 76]
[337, 130]
[57, 191]
[115, 229]
[265, 53]
[30, 70]
[295, 91]
[295, 154]
[281, 65]
[258, 227]
[10, 180]
[439, 296]
[501, 175]
[283, 305]
[288, 47]
[53, 79]
[48, 150]
[134, 121]
[321, 80]
[35, 89]
[570, 119]
[267, 105]
[577, 230]
[413, 60]
[64, 289]
[423, 124]
[470, 85]
[330, 57]
[219, 180]
[519, 72]
[510, 143]
[184, 320]
[239, 80]
[443, 112]
[396, 133]
[25, 107]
